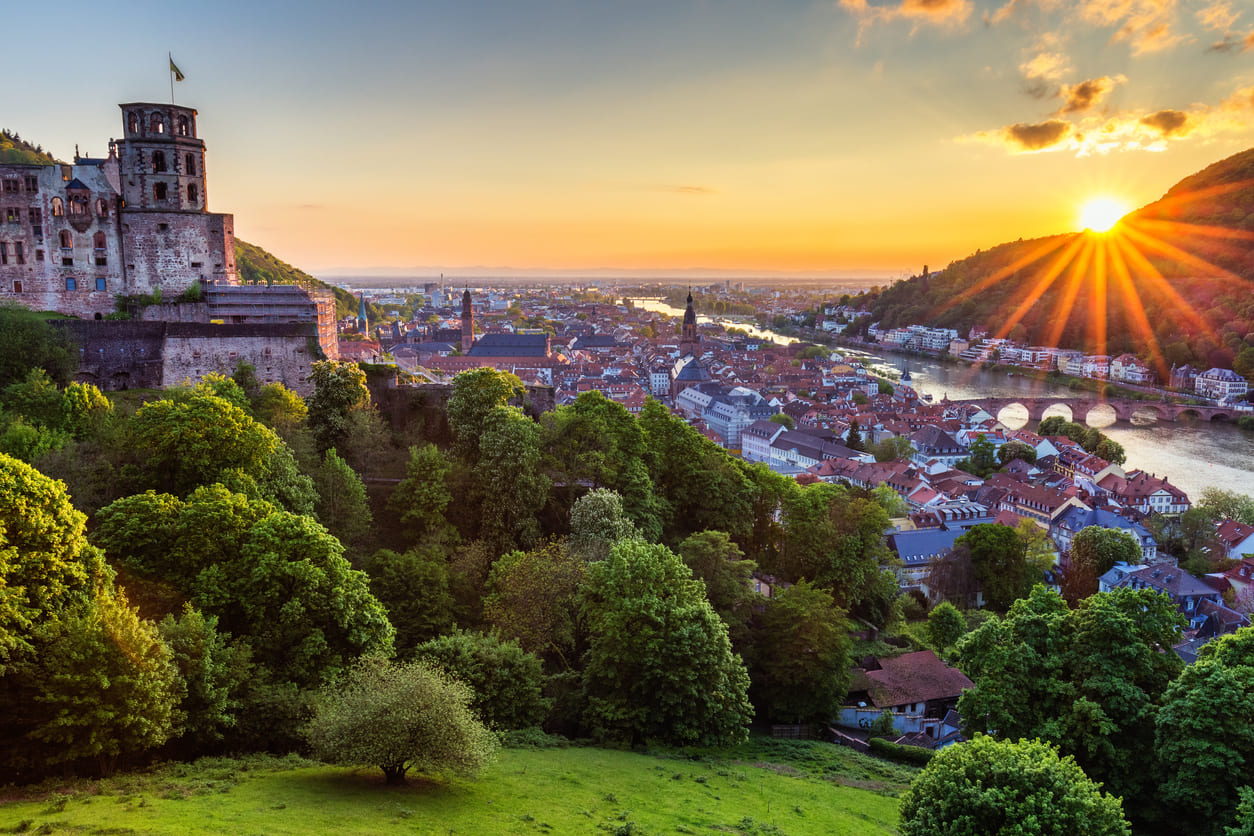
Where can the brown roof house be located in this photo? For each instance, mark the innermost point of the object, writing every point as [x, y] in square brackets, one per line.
[919, 689]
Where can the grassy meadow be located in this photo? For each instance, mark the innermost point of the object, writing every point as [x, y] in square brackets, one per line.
[767, 787]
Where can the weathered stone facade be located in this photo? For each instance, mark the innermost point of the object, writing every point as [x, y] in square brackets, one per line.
[74, 237]
[121, 354]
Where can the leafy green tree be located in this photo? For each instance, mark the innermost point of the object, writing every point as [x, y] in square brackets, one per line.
[217, 385]
[800, 668]
[893, 448]
[533, 597]
[1204, 742]
[597, 522]
[277, 579]
[507, 681]
[47, 567]
[475, 395]
[279, 408]
[201, 439]
[837, 540]
[1089, 680]
[414, 587]
[1244, 824]
[989, 787]
[28, 342]
[945, 626]
[36, 398]
[890, 500]
[213, 671]
[784, 420]
[1012, 450]
[29, 442]
[342, 505]
[102, 687]
[85, 411]
[1110, 450]
[853, 440]
[660, 665]
[1094, 551]
[983, 458]
[596, 442]
[1227, 505]
[399, 717]
[998, 557]
[719, 563]
[698, 486]
[339, 390]
[423, 496]
[508, 481]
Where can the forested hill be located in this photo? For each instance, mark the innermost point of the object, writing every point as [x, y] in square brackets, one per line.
[13, 149]
[257, 266]
[1181, 269]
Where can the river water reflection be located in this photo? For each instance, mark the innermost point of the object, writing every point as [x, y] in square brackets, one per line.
[1193, 455]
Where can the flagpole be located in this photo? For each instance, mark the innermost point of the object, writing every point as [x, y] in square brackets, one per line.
[170, 55]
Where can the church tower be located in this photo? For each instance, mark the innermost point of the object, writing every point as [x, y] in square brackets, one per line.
[689, 341]
[468, 323]
[363, 324]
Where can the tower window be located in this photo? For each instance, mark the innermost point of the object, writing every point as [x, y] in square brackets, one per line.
[189, 164]
[191, 193]
[158, 162]
[156, 124]
[132, 122]
[158, 191]
[183, 126]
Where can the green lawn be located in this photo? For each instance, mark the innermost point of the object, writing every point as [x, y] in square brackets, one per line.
[762, 787]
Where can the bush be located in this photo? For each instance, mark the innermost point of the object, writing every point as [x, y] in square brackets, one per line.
[899, 753]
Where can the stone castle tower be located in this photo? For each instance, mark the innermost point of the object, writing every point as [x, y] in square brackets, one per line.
[468, 323]
[75, 237]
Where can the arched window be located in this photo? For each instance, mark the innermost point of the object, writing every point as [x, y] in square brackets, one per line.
[78, 205]
[102, 208]
[67, 240]
[189, 164]
[132, 122]
[191, 193]
[158, 162]
[158, 191]
[98, 241]
[156, 124]
[58, 208]
[183, 126]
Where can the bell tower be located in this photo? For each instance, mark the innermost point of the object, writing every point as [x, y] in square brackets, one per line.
[161, 160]
[468, 323]
[689, 341]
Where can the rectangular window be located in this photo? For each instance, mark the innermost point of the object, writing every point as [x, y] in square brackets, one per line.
[17, 287]
[4, 253]
[39, 255]
[100, 284]
[18, 254]
[101, 261]
[71, 284]
[67, 262]
[32, 183]
[10, 186]
[13, 215]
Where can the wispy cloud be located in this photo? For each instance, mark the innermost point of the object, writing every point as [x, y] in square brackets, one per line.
[1147, 25]
[696, 190]
[947, 14]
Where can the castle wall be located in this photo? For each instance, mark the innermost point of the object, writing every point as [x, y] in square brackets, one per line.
[122, 354]
[174, 250]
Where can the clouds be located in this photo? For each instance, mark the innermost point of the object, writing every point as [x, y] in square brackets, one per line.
[948, 14]
[1037, 137]
[1168, 123]
[1087, 94]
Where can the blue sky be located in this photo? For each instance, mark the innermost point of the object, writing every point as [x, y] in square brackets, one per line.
[823, 138]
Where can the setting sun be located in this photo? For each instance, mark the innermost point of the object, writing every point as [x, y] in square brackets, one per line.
[1101, 213]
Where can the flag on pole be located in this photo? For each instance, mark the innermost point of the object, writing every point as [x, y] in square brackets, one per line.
[178, 74]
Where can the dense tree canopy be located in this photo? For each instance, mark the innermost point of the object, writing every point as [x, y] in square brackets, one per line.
[991, 787]
[507, 681]
[1089, 680]
[660, 665]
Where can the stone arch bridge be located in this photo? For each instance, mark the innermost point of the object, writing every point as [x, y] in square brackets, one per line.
[1080, 407]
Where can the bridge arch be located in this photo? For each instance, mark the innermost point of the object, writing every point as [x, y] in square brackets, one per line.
[1099, 414]
[1146, 413]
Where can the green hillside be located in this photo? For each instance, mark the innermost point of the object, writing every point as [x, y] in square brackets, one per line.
[767, 787]
[13, 149]
[257, 266]
[1177, 274]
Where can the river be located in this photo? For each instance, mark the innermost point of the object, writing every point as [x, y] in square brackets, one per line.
[1192, 455]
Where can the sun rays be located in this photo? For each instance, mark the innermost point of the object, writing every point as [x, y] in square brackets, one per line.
[1114, 272]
